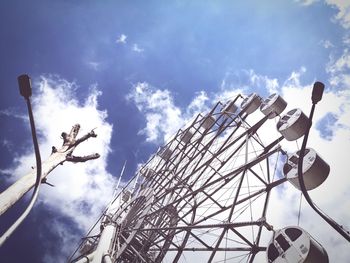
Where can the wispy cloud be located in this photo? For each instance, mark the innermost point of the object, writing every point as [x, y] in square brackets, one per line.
[65, 240]
[339, 70]
[7, 144]
[306, 2]
[12, 112]
[163, 117]
[247, 81]
[343, 8]
[121, 39]
[198, 104]
[343, 15]
[326, 43]
[346, 40]
[94, 65]
[340, 64]
[294, 79]
[136, 48]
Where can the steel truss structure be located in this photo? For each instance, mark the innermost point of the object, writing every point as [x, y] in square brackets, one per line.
[202, 197]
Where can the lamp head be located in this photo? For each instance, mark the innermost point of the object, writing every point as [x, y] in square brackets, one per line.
[317, 92]
[25, 87]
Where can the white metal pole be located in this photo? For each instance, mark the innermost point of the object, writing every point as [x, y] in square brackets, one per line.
[106, 240]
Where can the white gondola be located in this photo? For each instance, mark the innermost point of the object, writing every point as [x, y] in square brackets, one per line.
[295, 245]
[251, 103]
[148, 173]
[273, 104]
[229, 108]
[165, 153]
[186, 136]
[293, 124]
[315, 169]
[207, 122]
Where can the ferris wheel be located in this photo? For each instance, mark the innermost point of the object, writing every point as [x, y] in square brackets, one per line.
[204, 196]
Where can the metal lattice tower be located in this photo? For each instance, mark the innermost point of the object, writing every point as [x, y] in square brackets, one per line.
[203, 196]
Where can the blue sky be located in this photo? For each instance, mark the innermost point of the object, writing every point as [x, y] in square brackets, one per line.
[137, 70]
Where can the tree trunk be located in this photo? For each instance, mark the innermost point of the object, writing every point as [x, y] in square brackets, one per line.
[18, 189]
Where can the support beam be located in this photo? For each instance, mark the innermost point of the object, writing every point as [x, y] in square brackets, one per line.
[102, 252]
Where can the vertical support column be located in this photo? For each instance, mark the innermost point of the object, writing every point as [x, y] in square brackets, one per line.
[104, 245]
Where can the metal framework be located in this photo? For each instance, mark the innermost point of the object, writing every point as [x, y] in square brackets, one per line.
[206, 191]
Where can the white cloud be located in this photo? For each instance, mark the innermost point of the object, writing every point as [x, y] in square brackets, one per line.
[198, 104]
[9, 145]
[326, 44]
[261, 82]
[65, 240]
[10, 112]
[343, 8]
[339, 70]
[162, 116]
[153, 128]
[294, 79]
[137, 49]
[235, 80]
[81, 190]
[134, 47]
[121, 39]
[306, 2]
[341, 64]
[94, 65]
[346, 40]
[245, 80]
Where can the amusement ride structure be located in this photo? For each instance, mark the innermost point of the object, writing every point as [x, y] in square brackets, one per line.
[203, 196]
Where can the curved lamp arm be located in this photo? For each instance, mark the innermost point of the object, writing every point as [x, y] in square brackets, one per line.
[316, 97]
[26, 92]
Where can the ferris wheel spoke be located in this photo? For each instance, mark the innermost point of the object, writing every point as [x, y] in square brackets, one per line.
[222, 148]
[227, 176]
[217, 245]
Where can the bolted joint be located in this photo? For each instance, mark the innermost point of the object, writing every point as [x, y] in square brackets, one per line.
[44, 181]
[255, 249]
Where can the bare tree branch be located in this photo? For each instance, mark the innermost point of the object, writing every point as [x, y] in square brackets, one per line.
[85, 137]
[69, 139]
[81, 159]
[58, 156]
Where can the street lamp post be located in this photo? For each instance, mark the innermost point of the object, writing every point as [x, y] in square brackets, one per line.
[35, 177]
[26, 91]
[317, 93]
